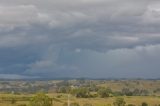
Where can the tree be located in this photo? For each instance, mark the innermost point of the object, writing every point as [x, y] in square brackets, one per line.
[136, 92]
[104, 92]
[144, 92]
[80, 92]
[127, 92]
[41, 100]
[119, 102]
[140, 92]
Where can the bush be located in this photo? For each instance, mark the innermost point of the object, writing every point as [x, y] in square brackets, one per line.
[59, 96]
[117, 93]
[119, 102]
[144, 104]
[41, 100]
[13, 101]
[104, 92]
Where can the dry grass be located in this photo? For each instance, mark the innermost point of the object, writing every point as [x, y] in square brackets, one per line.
[118, 85]
[152, 101]
[114, 85]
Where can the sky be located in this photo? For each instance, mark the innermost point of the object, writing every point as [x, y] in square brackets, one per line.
[79, 38]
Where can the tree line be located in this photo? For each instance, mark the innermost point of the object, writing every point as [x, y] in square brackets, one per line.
[89, 92]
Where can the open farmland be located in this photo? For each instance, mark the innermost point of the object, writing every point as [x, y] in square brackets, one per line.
[20, 100]
[19, 93]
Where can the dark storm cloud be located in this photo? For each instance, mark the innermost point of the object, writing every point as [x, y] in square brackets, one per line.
[76, 38]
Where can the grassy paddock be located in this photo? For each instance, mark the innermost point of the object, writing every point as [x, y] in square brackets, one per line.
[6, 100]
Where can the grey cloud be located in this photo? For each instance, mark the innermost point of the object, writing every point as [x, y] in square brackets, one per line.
[43, 34]
[17, 15]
